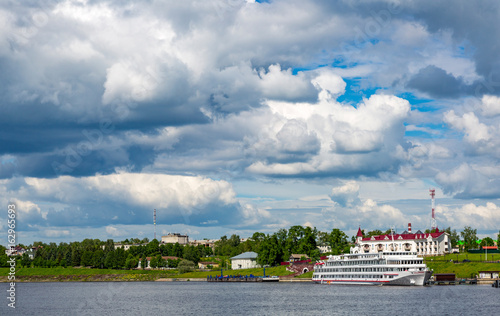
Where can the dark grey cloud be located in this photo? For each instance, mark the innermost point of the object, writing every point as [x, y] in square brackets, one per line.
[435, 82]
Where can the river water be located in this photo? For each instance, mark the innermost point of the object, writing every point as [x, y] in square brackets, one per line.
[204, 298]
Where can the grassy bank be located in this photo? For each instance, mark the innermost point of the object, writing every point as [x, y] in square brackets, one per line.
[454, 263]
[277, 271]
[60, 274]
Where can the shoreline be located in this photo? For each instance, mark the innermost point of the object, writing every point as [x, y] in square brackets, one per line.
[114, 278]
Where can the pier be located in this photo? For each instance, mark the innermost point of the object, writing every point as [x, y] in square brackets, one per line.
[241, 278]
[454, 282]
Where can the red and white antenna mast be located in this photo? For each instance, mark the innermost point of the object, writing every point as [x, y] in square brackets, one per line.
[433, 220]
[154, 221]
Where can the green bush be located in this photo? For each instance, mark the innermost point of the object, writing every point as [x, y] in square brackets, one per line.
[186, 266]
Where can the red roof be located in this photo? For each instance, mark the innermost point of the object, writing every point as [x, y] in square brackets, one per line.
[163, 257]
[404, 236]
[360, 233]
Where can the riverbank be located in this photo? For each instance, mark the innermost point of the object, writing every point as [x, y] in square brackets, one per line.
[458, 264]
[72, 274]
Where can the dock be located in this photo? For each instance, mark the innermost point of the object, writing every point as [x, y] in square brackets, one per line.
[455, 282]
[242, 278]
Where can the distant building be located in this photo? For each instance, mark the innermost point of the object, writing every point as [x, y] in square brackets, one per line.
[489, 274]
[126, 246]
[207, 265]
[324, 249]
[246, 260]
[175, 238]
[205, 242]
[148, 259]
[437, 243]
[297, 257]
[15, 251]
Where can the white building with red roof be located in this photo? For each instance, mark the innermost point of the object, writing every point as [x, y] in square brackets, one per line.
[437, 243]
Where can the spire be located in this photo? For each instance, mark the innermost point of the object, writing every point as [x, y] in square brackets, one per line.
[360, 233]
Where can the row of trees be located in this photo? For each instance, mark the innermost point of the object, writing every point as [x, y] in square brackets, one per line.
[103, 255]
[271, 248]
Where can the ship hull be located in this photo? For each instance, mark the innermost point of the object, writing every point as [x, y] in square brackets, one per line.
[419, 278]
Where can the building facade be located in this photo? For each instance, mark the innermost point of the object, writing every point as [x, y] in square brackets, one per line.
[175, 238]
[246, 260]
[437, 243]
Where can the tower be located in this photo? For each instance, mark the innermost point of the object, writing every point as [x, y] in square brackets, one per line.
[433, 220]
[154, 221]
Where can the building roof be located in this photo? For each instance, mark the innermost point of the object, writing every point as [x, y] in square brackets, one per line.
[360, 233]
[298, 256]
[163, 257]
[403, 237]
[246, 255]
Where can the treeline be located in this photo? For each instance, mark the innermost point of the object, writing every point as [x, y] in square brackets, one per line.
[272, 249]
[103, 255]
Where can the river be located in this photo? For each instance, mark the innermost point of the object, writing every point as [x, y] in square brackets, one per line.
[204, 298]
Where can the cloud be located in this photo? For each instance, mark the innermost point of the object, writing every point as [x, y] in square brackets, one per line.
[475, 131]
[346, 195]
[123, 198]
[369, 215]
[481, 217]
[437, 83]
[113, 231]
[480, 133]
[54, 233]
[471, 181]
[490, 105]
[348, 138]
[198, 95]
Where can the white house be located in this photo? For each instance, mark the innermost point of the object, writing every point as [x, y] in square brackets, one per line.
[423, 244]
[246, 260]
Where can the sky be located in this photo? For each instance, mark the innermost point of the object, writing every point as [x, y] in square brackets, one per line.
[232, 116]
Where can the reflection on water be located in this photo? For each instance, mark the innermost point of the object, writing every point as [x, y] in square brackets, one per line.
[202, 298]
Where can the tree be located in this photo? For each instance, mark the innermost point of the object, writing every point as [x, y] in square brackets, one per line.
[120, 258]
[373, 233]
[469, 237]
[131, 262]
[98, 258]
[25, 260]
[307, 243]
[109, 246]
[109, 260]
[487, 241]
[87, 258]
[75, 256]
[153, 248]
[173, 263]
[178, 250]
[144, 262]
[338, 241]
[191, 254]
[185, 266]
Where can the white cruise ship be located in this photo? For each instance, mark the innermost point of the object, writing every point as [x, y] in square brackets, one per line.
[395, 267]
[385, 268]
